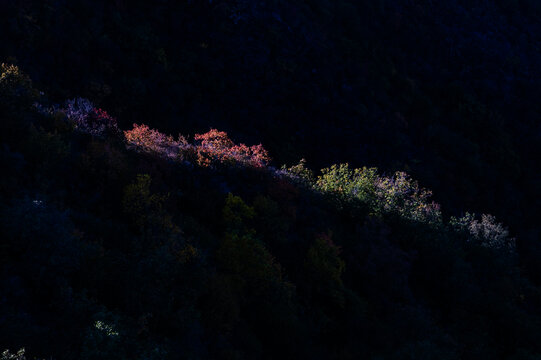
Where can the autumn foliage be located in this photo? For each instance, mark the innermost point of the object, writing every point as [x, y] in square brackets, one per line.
[216, 146]
[144, 138]
[213, 147]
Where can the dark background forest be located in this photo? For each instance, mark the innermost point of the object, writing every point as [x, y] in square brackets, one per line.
[112, 253]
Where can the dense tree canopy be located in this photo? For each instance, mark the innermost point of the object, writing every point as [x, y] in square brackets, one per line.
[125, 236]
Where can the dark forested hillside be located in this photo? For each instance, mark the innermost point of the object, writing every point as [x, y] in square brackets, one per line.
[121, 241]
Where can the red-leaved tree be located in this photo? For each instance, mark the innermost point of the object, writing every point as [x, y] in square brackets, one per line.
[215, 145]
[146, 139]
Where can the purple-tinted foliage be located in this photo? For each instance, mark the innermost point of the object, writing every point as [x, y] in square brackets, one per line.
[89, 119]
[486, 232]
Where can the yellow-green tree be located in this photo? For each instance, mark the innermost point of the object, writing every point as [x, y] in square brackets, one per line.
[146, 209]
[324, 268]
